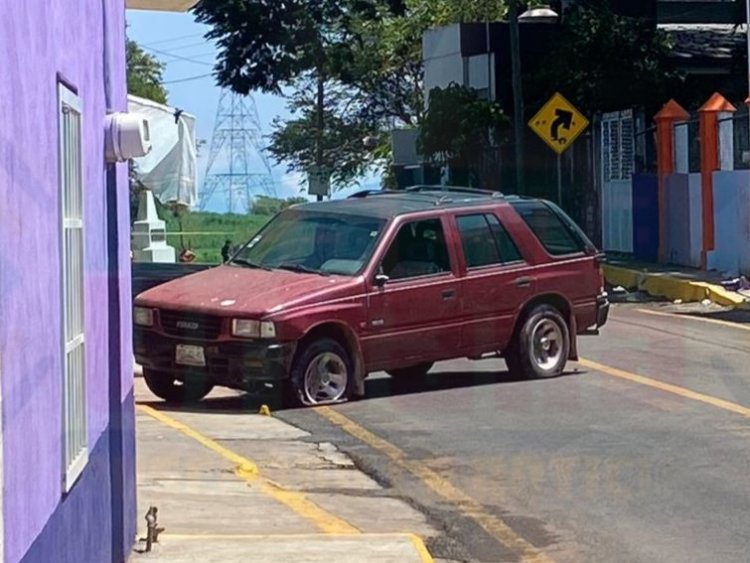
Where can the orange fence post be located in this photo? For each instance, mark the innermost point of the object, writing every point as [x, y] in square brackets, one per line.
[709, 135]
[671, 113]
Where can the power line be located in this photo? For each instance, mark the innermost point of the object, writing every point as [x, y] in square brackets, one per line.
[173, 39]
[179, 49]
[180, 57]
[187, 79]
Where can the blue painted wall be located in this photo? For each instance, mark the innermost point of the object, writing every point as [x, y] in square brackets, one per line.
[678, 219]
[645, 217]
[732, 222]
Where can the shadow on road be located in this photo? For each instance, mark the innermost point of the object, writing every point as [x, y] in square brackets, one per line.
[376, 388]
[737, 317]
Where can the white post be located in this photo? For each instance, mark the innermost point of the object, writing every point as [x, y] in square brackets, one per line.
[726, 141]
[681, 149]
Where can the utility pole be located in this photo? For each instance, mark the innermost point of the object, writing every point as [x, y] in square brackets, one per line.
[518, 125]
[319, 108]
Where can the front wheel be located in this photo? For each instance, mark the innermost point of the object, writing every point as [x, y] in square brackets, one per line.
[322, 373]
[165, 386]
[541, 347]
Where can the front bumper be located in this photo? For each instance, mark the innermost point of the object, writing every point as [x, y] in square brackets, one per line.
[233, 363]
[602, 310]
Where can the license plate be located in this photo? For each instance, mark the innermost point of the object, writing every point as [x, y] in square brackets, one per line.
[187, 355]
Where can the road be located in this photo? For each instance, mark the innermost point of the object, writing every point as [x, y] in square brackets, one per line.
[640, 453]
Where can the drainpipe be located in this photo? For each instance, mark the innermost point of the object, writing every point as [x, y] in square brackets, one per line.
[118, 494]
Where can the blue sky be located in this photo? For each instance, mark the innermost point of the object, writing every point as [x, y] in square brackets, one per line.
[177, 40]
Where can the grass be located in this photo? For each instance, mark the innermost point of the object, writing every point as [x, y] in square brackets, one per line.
[206, 232]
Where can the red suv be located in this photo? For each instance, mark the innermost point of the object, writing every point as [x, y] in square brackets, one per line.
[327, 293]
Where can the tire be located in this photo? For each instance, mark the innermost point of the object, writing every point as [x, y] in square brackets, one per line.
[165, 386]
[541, 346]
[322, 374]
[413, 372]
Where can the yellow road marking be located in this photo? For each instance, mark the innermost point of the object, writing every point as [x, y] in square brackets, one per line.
[416, 541]
[468, 506]
[247, 470]
[668, 387]
[244, 465]
[728, 324]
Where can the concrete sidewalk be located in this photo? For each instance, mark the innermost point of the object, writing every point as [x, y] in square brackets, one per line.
[673, 282]
[234, 486]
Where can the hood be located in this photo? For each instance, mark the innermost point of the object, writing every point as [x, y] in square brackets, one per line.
[231, 290]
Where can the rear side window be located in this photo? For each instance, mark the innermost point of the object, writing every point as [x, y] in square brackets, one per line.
[557, 237]
[485, 242]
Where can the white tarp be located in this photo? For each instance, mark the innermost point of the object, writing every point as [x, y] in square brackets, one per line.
[170, 169]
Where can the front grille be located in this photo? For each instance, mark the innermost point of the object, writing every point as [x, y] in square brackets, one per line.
[190, 325]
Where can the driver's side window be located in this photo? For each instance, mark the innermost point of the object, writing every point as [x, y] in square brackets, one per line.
[419, 249]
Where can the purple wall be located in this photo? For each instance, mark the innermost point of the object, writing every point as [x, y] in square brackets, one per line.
[41, 41]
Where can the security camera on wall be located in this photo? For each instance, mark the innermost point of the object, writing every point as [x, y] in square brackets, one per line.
[127, 136]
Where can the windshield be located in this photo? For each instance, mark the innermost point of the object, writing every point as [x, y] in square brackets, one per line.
[309, 241]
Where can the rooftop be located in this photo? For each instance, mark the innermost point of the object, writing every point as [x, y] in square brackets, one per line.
[706, 42]
[385, 204]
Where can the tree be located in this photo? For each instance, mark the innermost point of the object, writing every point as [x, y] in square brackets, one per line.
[144, 74]
[341, 149]
[460, 129]
[627, 62]
[367, 51]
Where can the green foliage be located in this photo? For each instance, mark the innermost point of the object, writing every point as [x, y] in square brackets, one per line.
[608, 62]
[214, 229]
[460, 127]
[367, 51]
[342, 149]
[144, 74]
[268, 206]
[266, 44]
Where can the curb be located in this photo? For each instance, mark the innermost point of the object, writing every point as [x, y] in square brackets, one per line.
[664, 285]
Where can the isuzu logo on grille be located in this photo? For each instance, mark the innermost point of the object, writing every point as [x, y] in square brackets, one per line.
[187, 325]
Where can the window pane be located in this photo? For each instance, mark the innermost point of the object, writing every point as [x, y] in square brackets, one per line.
[554, 235]
[508, 250]
[418, 250]
[333, 243]
[477, 241]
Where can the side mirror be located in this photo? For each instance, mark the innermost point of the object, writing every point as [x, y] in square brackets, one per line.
[381, 279]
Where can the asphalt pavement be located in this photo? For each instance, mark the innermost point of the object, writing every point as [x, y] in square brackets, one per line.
[639, 453]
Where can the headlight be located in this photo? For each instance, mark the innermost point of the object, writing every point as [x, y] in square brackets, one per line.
[245, 328]
[143, 316]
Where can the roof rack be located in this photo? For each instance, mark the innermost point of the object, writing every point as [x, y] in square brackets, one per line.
[455, 190]
[371, 192]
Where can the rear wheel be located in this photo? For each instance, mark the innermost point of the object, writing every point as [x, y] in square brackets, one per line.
[322, 373]
[413, 372]
[542, 345]
[165, 386]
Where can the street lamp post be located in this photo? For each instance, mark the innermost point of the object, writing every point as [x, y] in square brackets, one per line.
[515, 63]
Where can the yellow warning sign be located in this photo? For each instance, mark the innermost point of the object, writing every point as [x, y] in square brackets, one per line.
[559, 123]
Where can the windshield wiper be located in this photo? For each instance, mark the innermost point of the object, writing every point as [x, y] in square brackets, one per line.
[300, 268]
[249, 264]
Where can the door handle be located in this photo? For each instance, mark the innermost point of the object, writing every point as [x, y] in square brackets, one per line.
[449, 294]
[524, 281]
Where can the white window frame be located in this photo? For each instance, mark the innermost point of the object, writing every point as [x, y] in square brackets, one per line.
[73, 277]
[618, 145]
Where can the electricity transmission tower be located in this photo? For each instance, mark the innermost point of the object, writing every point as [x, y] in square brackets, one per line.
[232, 172]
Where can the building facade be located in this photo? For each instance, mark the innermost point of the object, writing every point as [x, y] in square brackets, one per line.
[67, 421]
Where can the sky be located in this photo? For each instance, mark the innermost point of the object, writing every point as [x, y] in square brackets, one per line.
[177, 40]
